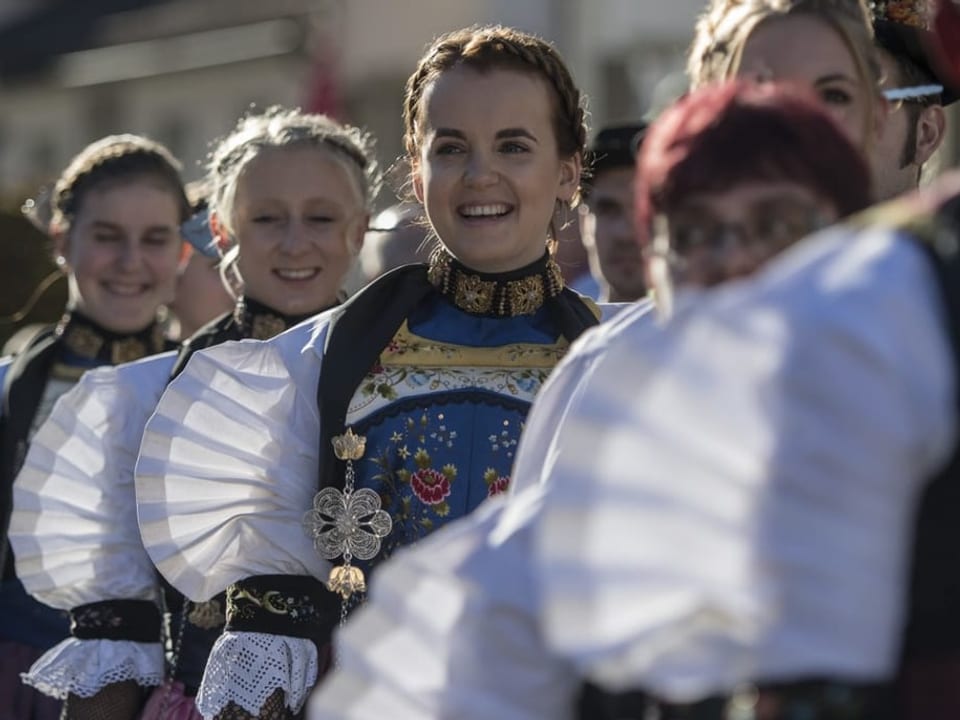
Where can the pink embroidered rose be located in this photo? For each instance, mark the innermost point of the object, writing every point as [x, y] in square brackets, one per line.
[497, 486]
[430, 486]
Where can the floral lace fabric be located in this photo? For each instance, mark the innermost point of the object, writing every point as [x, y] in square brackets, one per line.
[246, 669]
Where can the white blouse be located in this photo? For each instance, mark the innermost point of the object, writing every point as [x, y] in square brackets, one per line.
[74, 527]
[731, 500]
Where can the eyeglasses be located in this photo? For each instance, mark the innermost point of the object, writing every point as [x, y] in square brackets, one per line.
[694, 237]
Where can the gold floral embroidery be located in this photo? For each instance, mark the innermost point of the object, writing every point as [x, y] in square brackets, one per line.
[496, 295]
[206, 615]
[265, 326]
[473, 294]
[123, 351]
[408, 349]
[526, 294]
[83, 341]
[912, 13]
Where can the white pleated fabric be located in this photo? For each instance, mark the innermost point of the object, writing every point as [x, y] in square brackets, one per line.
[730, 501]
[74, 528]
[562, 389]
[734, 497]
[228, 467]
[450, 631]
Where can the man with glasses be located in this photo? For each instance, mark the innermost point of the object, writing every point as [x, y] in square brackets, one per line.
[917, 91]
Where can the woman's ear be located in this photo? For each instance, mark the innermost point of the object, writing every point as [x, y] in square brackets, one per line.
[570, 169]
[931, 130]
[357, 233]
[61, 246]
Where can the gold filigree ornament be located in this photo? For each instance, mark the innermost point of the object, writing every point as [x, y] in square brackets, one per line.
[347, 524]
[206, 615]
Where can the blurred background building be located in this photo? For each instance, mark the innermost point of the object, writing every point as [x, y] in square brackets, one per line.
[182, 71]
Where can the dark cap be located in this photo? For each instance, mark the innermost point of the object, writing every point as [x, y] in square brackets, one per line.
[615, 146]
[902, 29]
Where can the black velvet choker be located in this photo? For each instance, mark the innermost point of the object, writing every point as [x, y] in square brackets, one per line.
[517, 292]
[87, 340]
[260, 322]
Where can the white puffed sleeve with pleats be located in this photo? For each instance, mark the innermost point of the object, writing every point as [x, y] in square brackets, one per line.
[74, 528]
[228, 466]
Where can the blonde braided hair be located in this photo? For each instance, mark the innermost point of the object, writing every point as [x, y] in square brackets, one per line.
[725, 26]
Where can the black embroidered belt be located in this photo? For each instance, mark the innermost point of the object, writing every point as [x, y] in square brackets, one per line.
[815, 699]
[134, 620]
[294, 605]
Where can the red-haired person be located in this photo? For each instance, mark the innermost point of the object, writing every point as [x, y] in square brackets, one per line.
[730, 175]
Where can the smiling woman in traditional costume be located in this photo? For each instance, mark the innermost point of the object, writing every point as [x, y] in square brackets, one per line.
[290, 198]
[402, 408]
[117, 209]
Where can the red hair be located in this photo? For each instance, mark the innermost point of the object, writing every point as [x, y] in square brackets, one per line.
[731, 133]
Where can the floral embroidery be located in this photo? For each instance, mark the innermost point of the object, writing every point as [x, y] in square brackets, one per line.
[473, 294]
[913, 13]
[246, 600]
[432, 487]
[96, 616]
[526, 295]
[496, 295]
[496, 483]
[206, 615]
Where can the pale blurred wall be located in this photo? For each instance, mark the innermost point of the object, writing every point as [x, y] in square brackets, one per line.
[186, 94]
[375, 42]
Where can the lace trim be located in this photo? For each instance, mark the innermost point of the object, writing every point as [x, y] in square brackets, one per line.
[84, 667]
[244, 669]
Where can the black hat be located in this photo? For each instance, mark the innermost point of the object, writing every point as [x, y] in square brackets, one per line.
[615, 146]
[902, 29]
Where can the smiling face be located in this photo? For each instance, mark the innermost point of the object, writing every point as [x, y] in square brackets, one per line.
[488, 170]
[298, 221]
[122, 252]
[802, 48]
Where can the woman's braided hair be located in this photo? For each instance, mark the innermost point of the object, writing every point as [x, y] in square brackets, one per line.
[725, 25]
[111, 159]
[279, 127]
[495, 47]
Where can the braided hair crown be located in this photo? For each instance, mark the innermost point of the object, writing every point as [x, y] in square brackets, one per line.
[495, 47]
[725, 25]
[111, 159]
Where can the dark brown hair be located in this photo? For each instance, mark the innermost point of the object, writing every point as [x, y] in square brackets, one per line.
[495, 47]
[109, 160]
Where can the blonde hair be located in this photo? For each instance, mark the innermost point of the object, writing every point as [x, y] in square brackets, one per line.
[280, 127]
[725, 26]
